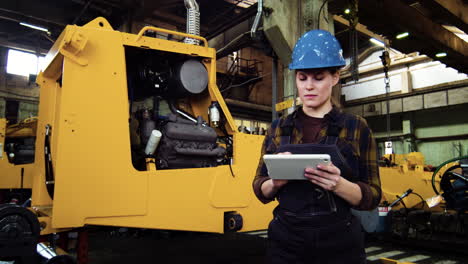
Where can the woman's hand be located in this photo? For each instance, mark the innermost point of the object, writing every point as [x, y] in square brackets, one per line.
[326, 176]
[270, 187]
[277, 184]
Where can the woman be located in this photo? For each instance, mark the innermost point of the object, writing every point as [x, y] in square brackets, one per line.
[313, 221]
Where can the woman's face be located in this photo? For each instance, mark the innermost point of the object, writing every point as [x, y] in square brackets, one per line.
[315, 87]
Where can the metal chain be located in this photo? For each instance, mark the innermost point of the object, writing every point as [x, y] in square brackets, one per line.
[385, 62]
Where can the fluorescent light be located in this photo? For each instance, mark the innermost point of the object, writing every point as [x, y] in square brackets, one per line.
[441, 54]
[34, 27]
[377, 42]
[347, 11]
[402, 35]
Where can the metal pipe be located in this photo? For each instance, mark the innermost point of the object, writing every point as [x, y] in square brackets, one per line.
[248, 105]
[253, 31]
[398, 95]
[24, 16]
[193, 21]
[423, 139]
[46, 251]
[274, 87]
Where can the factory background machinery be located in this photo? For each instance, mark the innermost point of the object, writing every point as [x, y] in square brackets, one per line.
[425, 205]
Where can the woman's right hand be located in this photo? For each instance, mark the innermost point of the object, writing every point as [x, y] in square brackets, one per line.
[277, 184]
[270, 187]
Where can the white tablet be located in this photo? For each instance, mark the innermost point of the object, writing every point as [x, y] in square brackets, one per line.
[291, 167]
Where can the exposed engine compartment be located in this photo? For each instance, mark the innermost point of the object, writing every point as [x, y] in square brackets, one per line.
[20, 150]
[160, 86]
[20, 140]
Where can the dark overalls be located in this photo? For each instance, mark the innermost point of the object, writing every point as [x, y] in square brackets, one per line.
[312, 225]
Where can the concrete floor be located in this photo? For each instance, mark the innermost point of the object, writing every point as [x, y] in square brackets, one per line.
[183, 247]
[120, 246]
[175, 247]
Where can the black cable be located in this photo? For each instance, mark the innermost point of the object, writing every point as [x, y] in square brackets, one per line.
[237, 85]
[229, 147]
[422, 199]
[320, 11]
[403, 203]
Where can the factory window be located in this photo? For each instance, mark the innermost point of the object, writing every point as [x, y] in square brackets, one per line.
[24, 63]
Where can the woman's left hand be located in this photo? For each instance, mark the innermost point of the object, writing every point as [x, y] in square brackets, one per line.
[326, 176]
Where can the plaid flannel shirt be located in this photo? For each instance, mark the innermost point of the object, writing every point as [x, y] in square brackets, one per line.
[362, 142]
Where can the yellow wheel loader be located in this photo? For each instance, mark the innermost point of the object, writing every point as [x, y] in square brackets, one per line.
[132, 131]
[425, 207]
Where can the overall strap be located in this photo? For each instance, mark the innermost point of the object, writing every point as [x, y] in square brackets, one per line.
[333, 131]
[286, 133]
[286, 129]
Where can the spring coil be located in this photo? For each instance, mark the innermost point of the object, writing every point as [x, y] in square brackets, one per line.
[193, 26]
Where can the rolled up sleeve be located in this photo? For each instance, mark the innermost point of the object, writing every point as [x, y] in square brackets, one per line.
[369, 179]
[261, 174]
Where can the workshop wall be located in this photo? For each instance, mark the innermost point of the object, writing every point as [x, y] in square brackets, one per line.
[428, 105]
[17, 88]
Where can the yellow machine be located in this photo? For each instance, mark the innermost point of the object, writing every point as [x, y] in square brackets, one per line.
[94, 164]
[405, 171]
[17, 154]
[85, 107]
[408, 190]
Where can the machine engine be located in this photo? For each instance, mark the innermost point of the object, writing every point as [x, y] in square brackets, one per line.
[20, 150]
[159, 83]
[188, 145]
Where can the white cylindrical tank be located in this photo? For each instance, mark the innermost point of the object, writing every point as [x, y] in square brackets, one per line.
[153, 142]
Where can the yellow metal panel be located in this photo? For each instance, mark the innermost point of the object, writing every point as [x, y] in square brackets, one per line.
[284, 105]
[3, 123]
[391, 261]
[15, 176]
[196, 199]
[396, 181]
[93, 172]
[236, 190]
[49, 100]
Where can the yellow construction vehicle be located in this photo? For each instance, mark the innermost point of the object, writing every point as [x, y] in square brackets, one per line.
[16, 159]
[425, 205]
[400, 172]
[132, 131]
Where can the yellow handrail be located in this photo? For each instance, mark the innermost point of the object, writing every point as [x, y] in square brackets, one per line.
[143, 30]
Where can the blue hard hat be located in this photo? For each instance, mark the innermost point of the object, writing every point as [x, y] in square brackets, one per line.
[317, 49]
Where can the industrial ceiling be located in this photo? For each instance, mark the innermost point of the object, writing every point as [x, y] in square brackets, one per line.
[434, 26]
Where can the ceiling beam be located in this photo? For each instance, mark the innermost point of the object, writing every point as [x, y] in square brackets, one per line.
[244, 15]
[14, 45]
[454, 12]
[18, 16]
[438, 38]
[457, 7]
[360, 28]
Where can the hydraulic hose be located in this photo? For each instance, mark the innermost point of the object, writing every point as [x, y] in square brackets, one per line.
[440, 166]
